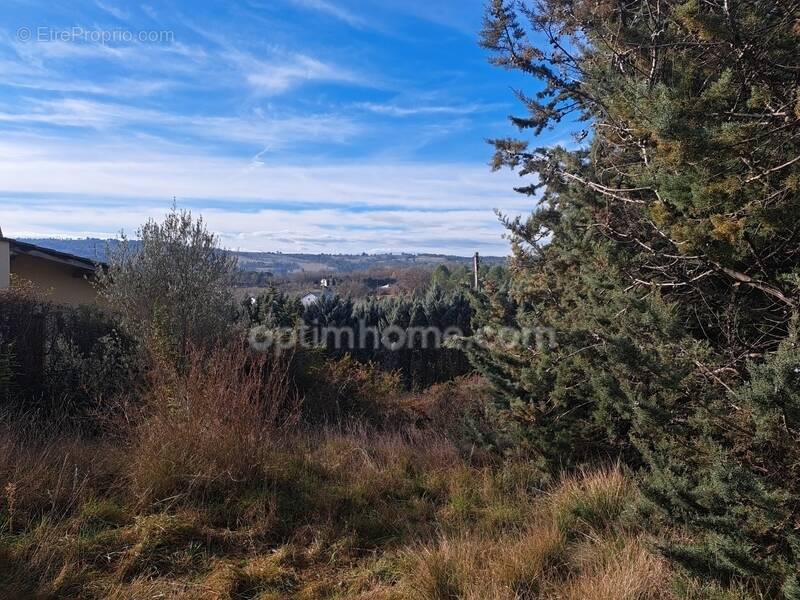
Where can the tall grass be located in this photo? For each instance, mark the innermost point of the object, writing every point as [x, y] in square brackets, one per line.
[213, 488]
[46, 475]
[208, 424]
[572, 545]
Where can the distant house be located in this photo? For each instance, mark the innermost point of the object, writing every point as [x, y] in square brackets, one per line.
[310, 298]
[314, 296]
[65, 277]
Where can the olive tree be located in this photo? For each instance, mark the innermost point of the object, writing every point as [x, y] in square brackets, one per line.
[173, 286]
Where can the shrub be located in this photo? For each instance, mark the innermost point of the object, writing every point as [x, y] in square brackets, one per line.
[61, 362]
[345, 389]
[460, 409]
[173, 288]
[206, 427]
[736, 481]
[663, 251]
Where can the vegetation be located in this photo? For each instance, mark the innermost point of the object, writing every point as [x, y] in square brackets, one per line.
[211, 489]
[366, 329]
[237, 474]
[61, 363]
[665, 253]
[652, 453]
[172, 288]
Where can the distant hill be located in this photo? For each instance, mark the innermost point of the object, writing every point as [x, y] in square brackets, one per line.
[284, 264]
[92, 248]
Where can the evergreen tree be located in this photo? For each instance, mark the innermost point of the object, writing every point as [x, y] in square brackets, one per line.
[665, 252]
[272, 308]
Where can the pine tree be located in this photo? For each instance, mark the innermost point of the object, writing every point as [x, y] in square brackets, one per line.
[665, 252]
[272, 308]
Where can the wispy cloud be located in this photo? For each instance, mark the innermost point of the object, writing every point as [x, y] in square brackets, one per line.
[396, 110]
[57, 55]
[454, 14]
[274, 70]
[121, 88]
[274, 131]
[334, 10]
[114, 11]
[131, 168]
[287, 70]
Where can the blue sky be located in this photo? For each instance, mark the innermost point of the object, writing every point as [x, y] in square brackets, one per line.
[291, 125]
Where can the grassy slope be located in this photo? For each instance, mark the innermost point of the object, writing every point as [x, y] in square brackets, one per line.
[339, 515]
[200, 497]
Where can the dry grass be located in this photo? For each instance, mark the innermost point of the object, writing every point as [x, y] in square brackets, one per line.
[590, 500]
[209, 424]
[573, 548]
[210, 494]
[618, 569]
[473, 566]
[48, 476]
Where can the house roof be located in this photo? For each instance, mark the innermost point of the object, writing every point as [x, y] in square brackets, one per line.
[77, 262]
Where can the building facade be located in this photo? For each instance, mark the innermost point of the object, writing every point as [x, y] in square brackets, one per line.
[64, 278]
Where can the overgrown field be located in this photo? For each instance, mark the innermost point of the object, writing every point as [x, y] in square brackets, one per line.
[214, 489]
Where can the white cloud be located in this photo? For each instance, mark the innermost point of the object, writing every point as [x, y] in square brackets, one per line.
[285, 71]
[264, 129]
[353, 206]
[127, 170]
[127, 87]
[222, 64]
[396, 110]
[335, 10]
[275, 70]
[114, 11]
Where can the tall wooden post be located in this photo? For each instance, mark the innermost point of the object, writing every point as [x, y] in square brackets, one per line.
[476, 263]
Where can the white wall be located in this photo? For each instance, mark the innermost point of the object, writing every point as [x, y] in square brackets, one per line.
[5, 264]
